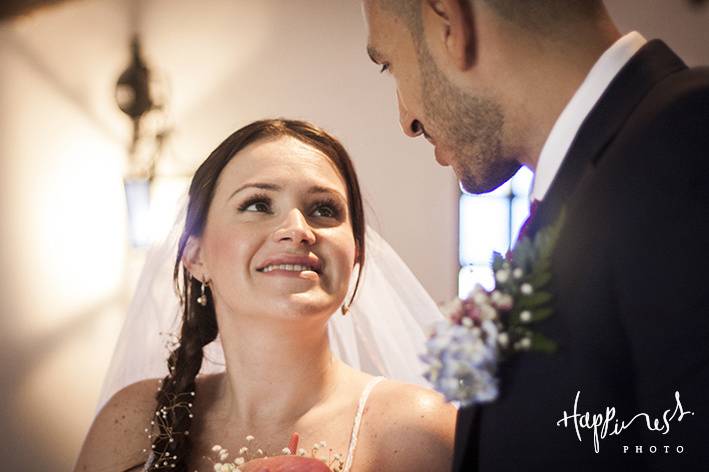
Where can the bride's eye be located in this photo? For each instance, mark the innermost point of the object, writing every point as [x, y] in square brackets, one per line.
[327, 209]
[257, 204]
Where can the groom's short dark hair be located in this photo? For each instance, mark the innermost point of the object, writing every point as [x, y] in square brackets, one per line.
[542, 16]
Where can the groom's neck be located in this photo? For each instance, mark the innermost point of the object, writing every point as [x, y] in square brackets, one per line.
[547, 72]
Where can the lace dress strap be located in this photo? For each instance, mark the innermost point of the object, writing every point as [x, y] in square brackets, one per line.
[358, 420]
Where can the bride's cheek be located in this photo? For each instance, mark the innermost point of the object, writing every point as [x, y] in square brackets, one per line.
[345, 263]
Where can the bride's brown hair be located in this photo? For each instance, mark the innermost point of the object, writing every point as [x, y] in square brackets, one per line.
[173, 416]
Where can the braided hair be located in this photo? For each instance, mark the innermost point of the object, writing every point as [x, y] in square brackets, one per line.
[171, 444]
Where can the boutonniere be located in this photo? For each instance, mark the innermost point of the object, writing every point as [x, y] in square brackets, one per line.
[464, 350]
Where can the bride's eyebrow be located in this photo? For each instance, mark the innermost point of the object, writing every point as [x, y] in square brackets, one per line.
[259, 185]
[318, 189]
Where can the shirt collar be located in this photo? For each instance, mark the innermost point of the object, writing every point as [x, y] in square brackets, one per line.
[567, 125]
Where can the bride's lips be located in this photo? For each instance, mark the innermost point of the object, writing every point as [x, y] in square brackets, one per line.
[272, 265]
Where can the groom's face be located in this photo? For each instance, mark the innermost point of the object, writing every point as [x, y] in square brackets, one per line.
[465, 125]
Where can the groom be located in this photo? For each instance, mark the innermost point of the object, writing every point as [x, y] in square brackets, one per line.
[616, 130]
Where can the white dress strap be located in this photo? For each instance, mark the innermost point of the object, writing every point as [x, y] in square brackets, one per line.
[358, 420]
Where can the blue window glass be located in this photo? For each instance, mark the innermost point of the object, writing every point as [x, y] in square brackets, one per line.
[490, 222]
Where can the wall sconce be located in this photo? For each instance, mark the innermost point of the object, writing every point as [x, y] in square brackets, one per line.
[136, 97]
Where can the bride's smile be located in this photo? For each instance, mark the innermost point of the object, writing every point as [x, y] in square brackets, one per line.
[292, 265]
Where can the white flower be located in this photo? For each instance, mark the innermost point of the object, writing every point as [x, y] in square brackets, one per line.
[243, 450]
[526, 289]
[503, 339]
[487, 312]
[502, 275]
[495, 296]
[223, 455]
[286, 451]
[517, 273]
[479, 295]
[505, 302]
[249, 438]
[302, 452]
[239, 461]
[525, 316]
[452, 308]
[216, 448]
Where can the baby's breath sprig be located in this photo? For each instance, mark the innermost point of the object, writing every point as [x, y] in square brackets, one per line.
[161, 428]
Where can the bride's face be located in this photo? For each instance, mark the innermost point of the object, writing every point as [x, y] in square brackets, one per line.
[278, 239]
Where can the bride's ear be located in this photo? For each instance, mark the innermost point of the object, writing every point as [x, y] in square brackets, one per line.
[192, 259]
[451, 24]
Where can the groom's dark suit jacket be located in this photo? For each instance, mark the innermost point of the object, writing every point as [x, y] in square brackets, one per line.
[630, 285]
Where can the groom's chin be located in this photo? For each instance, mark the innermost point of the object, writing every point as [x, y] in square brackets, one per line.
[487, 181]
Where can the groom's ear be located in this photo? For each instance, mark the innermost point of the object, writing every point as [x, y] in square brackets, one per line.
[192, 259]
[450, 22]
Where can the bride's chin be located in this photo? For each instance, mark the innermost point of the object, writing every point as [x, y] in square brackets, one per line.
[307, 305]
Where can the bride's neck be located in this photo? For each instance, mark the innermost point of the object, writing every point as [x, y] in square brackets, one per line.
[276, 371]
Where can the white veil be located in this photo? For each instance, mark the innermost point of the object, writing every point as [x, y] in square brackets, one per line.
[383, 333]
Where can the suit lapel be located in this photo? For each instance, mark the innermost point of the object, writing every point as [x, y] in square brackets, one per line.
[652, 63]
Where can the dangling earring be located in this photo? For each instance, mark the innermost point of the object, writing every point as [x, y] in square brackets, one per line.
[202, 299]
[344, 309]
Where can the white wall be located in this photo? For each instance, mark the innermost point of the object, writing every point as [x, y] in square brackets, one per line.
[68, 271]
[685, 28]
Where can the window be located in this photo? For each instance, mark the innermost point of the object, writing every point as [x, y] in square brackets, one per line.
[490, 222]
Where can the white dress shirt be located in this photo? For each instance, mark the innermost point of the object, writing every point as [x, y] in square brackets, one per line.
[567, 125]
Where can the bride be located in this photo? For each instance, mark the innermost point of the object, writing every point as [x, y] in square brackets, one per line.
[274, 230]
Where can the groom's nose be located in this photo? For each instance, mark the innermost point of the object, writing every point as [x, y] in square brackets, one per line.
[410, 125]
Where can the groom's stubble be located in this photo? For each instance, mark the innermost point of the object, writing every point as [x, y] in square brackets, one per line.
[471, 126]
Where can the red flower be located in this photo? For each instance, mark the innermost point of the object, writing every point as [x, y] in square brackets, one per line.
[285, 464]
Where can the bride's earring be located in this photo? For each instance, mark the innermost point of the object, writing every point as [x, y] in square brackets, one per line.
[202, 299]
[344, 309]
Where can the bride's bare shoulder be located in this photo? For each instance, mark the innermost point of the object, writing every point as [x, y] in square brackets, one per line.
[117, 437]
[410, 427]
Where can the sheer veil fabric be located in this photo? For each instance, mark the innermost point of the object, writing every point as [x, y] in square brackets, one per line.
[383, 333]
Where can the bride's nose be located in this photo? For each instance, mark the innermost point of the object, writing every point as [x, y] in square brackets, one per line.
[295, 228]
